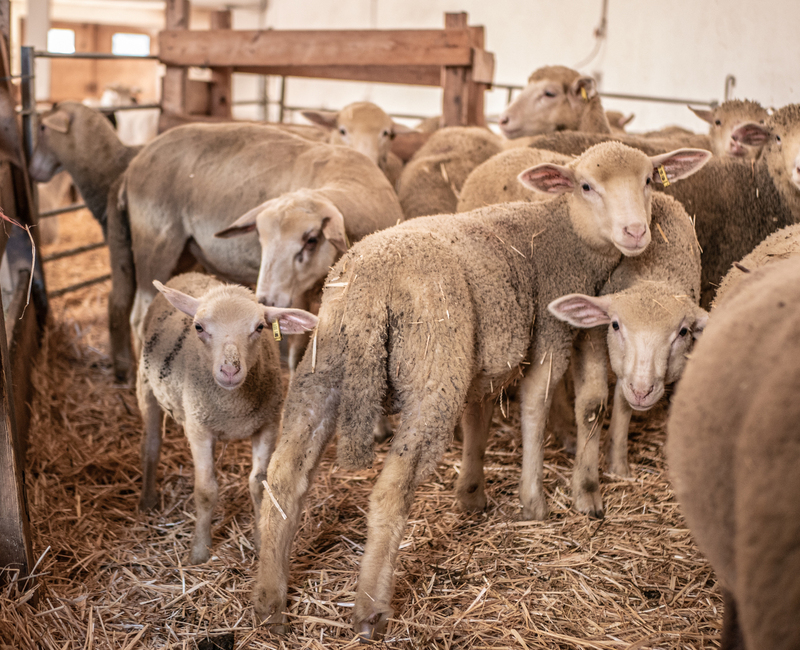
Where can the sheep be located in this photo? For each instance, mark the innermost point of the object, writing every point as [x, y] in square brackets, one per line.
[225, 383]
[617, 121]
[365, 127]
[200, 179]
[431, 181]
[555, 99]
[725, 120]
[80, 140]
[732, 451]
[735, 205]
[409, 315]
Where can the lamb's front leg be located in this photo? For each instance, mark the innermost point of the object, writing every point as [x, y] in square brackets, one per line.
[475, 422]
[206, 491]
[619, 427]
[536, 395]
[151, 442]
[263, 444]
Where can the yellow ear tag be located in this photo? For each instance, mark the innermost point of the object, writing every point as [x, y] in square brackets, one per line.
[584, 95]
[276, 330]
[663, 174]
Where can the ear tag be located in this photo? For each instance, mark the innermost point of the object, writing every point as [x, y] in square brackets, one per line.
[276, 330]
[584, 95]
[663, 174]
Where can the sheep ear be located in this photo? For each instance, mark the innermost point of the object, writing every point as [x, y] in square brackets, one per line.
[244, 224]
[333, 227]
[751, 133]
[624, 121]
[580, 310]
[583, 89]
[291, 321]
[703, 114]
[679, 164]
[548, 178]
[58, 121]
[700, 323]
[323, 118]
[178, 299]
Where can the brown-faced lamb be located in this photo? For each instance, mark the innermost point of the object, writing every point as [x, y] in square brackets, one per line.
[210, 361]
[409, 317]
[197, 180]
[733, 449]
[81, 140]
[726, 120]
[735, 205]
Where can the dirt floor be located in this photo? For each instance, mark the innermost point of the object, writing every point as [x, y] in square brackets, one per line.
[110, 577]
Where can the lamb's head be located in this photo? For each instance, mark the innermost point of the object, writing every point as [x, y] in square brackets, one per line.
[610, 187]
[730, 122]
[651, 331]
[783, 148]
[230, 324]
[552, 101]
[302, 234]
[362, 126]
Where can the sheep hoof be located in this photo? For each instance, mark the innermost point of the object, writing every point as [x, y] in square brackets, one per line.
[620, 469]
[537, 510]
[148, 502]
[200, 554]
[590, 503]
[472, 499]
[269, 610]
[374, 626]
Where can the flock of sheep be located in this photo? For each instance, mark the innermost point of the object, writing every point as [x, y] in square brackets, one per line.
[440, 282]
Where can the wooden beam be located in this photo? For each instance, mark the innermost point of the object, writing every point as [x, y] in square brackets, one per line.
[173, 85]
[220, 100]
[475, 112]
[454, 79]
[222, 47]
[409, 75]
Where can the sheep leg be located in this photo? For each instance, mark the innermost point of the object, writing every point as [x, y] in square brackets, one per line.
[263, 444]
[120, 299]
[206, 492]
[470, 487]
[731, 632]
[590, 376]
[536, 395]
[151, 444]
[620, 424]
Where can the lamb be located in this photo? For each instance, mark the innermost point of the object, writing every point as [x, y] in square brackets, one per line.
[200, 179]
[727, 119]
[365, 127]
[410, 315]
[80, 140]
[732, 449]
[555, 99]
[735, 205]
[225, 383]
[431, 181]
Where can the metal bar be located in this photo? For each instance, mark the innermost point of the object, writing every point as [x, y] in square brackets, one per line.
[93, 55]
[283, 99]
[27, 91]
[129, 107]
[79, 285]
[73, 251]
[69, 208]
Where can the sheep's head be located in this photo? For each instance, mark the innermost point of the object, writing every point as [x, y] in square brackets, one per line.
[784, 144]
[302, 234]
[651, 330]
[230, 324]
[610, 188]
[553, 100]
[729, 122]
[362, 126]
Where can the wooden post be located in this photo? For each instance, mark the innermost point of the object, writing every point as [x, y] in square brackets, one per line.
[476, 91]
[173, 89]
[455, 90]
[221, 77]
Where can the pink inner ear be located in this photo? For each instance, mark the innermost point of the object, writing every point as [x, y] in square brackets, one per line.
[751, 134]
[547, 179]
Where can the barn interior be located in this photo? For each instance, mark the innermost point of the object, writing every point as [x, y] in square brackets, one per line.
[85, 569]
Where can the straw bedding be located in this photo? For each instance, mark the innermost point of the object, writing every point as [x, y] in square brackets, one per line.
[109, 577]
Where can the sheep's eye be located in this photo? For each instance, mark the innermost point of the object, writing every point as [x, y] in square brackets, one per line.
[260, 328]
[683, 331]
[586, 187]
[718, 122]
[778, 138]
[342, 130]
[198, 328]
[615, 325]
[648, 181]
[549, 93]
[311, 242]
[385, 134]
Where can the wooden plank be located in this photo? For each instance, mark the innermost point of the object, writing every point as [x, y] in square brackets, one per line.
[173, 85]
[475, 112]
[454, 78]
[409, 75]
[220, 100]
[222, 47]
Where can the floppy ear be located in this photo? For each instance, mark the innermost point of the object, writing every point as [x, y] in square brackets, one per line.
[679, 164]
[583, 85]
[548, 178]
[323, 118]
[333, 226]
[703, 114]
[700, 323]
[751, 133]
[178, 299]
[291, 321]
[580, 310]
[58, 121]
[244, 224]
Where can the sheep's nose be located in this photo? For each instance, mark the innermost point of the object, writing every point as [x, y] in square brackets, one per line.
[635, 231]
[229, 371]
[504, 119]
[641, 394]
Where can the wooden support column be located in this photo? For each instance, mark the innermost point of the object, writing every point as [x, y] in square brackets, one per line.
[454, 82]
[221, 77]
[173, 89]
[475, 111]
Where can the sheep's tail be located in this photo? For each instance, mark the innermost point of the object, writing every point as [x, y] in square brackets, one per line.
[364, 332]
